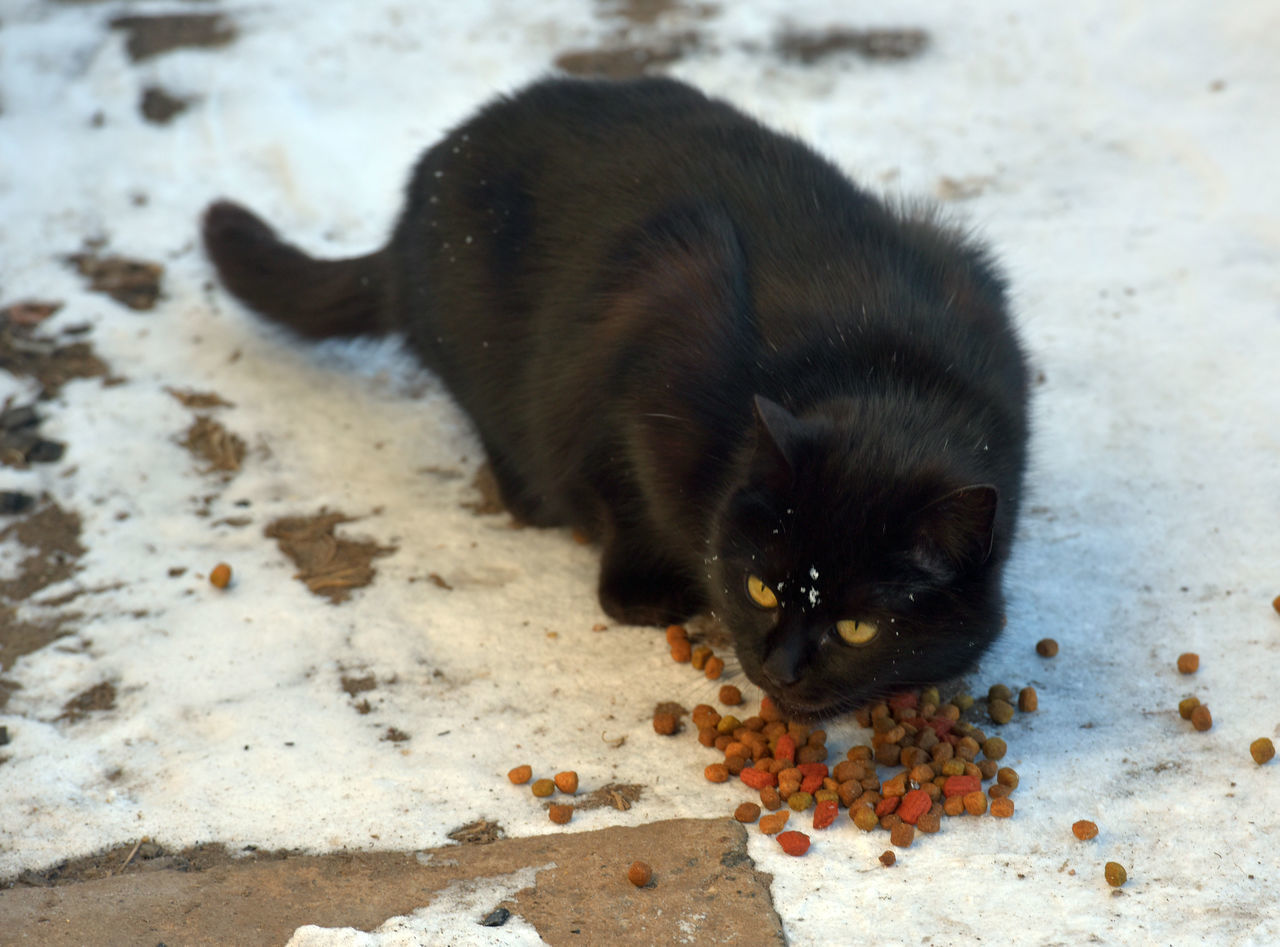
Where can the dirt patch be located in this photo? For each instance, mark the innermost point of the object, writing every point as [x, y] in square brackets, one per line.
[648, 12]
[51, 537]
[148, 36]
[705, 889]
[160, 107]
[329, 565]
[812, 47]
[133, 283]
[29, 313]
[482, 832]
[51, 362]
[358, 685]
[140, 857]
[620, 796]
[628, 61]
[212, 443]
[99, 697]
[199, 399]
[962, 189]
[20, 442]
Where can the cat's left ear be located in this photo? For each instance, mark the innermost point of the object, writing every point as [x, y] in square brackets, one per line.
[956, 531]
[777, 430]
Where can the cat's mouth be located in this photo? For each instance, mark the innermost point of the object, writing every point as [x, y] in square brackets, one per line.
[808, 711]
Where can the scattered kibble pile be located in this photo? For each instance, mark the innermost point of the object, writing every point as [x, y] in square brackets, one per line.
[566, 782]
[943, 760]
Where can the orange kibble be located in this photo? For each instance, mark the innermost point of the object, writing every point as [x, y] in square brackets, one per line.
[717, 773]
[1002, 808]
[676, 633]
[772, 824]
[220, 575]
[560, 814]
[665, 723]
[975, 803]
[520, 774]
[730, 695]
[714, 668]
[1189, 662]
[1084, 830]
[639, 874]
[681, 651]
[566, 782]
[793, 842]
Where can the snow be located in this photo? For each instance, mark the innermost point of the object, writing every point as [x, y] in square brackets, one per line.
[1120, 157]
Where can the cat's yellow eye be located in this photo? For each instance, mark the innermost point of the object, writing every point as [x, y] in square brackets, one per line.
[760, 593]
[856, 632]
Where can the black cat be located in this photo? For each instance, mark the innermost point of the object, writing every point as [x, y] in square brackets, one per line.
[761, 390]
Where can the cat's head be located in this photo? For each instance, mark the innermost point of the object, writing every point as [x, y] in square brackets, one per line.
[849, 566]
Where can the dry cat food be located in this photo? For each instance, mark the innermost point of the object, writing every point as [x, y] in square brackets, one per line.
[220, 575]
[1115, 874]
[1201, 719]
[1188, 663]
[560, 814]
[1084, 830]
[566, 782]
[1186, 705]
[665, 723]
[1275, 603]
[543, 788]
[1047, 648]
[639, 874]
[887, 858]
[520, 774]
[1262, 750]
[793, 842]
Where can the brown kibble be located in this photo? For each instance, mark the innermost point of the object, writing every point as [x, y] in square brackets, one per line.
[1047, 648]
[997, 791]
[1115, 874]
[931, 821]
[773, 823]
[717, 773]
[520, 774]
[714, 668]
[1186, 705]
[1007, 776]
[1201, 719]
[698, 657]
[902, 835]
[1084, 830]
[543, 788]
[220, 575]
[681, 651]
[730, 695]
[1262, 750]
[975, 803]
[1000, 710]
[560, 814]
[1002, 807]
[1028, 700]
[864, 817]
[953, 805]
[999, 692]
[639, 874]
[771, 799]
[665, 723]
[1275, 603]
[1188, 662]
[888, 858]
[747, 812]
[566, 782]
[994, 748]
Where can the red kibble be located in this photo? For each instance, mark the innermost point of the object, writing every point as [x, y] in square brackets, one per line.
[887, 805]
[786, 749]
[914, 804]
[793, 842]
[757, 778]
[961, 785]
[825, 813]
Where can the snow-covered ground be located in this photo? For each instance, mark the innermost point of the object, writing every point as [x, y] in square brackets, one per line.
[1121, 158]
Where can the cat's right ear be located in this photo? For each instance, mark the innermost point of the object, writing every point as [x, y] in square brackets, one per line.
[777, 433]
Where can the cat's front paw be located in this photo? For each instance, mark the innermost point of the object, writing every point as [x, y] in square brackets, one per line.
[644, 599]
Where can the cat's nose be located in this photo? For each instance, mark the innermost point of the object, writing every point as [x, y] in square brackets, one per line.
[784, 665]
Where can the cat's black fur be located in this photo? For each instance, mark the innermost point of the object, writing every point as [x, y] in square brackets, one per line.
[695, 340]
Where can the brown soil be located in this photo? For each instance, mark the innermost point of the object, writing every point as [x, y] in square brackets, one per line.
[133, 283]
[329, 565]
[161, 107]
[51, 362]
[702, 876]
[812, 47]
[152, 35]
[209, 441]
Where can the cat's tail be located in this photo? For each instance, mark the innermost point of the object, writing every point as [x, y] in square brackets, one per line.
[316, 298]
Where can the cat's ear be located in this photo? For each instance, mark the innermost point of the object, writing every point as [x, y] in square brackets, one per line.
[777, 432]
[956, 530]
